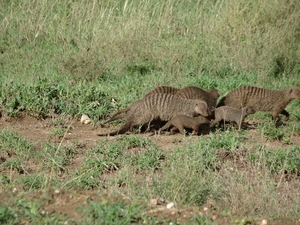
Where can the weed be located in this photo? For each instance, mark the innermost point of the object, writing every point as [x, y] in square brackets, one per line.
[148, 159]
[57, 133]
[33, 182]
[271, 132]
[111, 213]
[58, 157]
[200, 220]
[279, 161]
[6, 215]
[14, 144]
[32, 212]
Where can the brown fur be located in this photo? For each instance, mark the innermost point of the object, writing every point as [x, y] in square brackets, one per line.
[191, 92]
[121, 114]
[163, 89]
[261, 99]
[229, 114]
[182, 122]
[160, 89]
[162, 107]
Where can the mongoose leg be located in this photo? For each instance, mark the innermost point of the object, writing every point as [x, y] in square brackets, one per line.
[173, 130]
[181, 129]
[287, 115]
[165, 127]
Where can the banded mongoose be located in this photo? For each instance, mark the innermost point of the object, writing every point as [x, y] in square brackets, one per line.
[261, 99]
[209, 96]
[122, 113]
[230, 114]
[182, 122]
[162, 107]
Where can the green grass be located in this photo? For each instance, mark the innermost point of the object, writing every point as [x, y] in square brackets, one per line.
[62, 59]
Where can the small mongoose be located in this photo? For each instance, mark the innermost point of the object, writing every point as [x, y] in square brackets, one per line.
[160, 107]
[261, 99]
[230, 114]
[182, 122]
[192, 92]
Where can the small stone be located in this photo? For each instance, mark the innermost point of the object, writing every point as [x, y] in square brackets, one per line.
[87, 121]
[84, 117]
[170, 205]
[264, 222]
[153, 202]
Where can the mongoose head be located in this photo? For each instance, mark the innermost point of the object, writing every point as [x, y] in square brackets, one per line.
[202, 119]
[201, 108]
[294, 92]
[250, 110]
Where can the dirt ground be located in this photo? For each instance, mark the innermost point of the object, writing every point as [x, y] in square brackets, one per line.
[39, 131]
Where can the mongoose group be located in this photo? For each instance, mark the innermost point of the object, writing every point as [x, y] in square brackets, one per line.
[190, 107]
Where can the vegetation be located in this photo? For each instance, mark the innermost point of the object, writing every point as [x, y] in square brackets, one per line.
[61, 59]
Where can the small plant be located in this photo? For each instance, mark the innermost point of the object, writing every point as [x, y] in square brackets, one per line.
[6, 215]
[279, 161]
[14, 144]
[201, 220]
[148, 159]
[57, 133]
[271, 132]
[13, 164]
[111, 213]
[33, 182]
[31, 212]
[57, 157]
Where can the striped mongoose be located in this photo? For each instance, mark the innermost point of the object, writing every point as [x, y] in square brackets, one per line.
[261, 99]
[122, 113]
[230, 114]
[181, 122]
[162, 107]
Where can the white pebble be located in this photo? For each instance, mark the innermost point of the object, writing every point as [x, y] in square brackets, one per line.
[87, 121]
[264, 222]
[84, 118]
[170, 205]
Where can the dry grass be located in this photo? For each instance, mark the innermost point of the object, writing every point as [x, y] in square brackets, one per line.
[260, 36]
[173, 37]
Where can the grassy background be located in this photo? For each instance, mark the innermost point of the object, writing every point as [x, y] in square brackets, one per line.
[72, 57]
